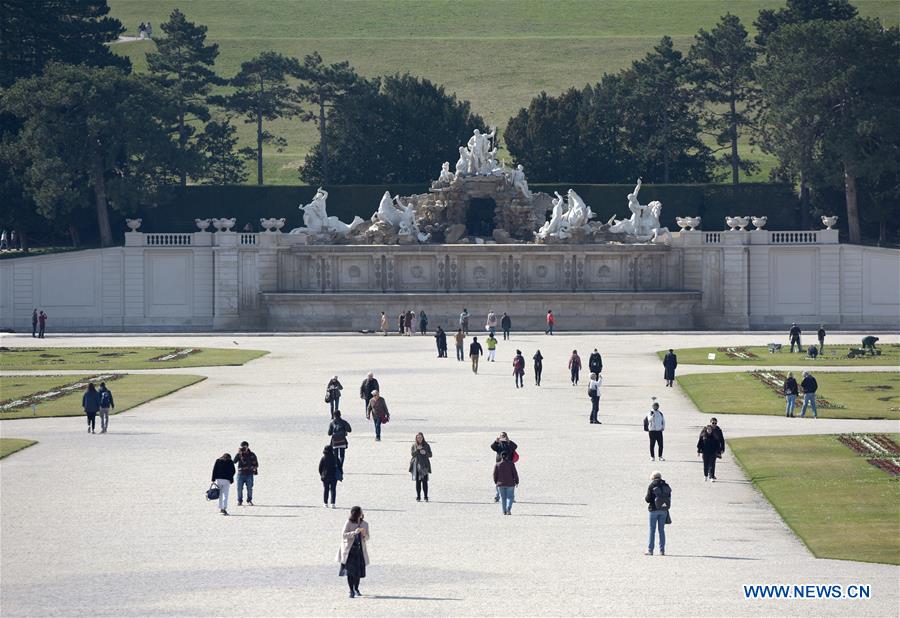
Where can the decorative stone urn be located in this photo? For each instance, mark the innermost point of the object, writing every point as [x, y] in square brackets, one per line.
[829, 222]
[279, 223]
[133, 224]
[737, 223]
[759, 222]
[688, 223]
[272, 224]
[224, 225]
[202, 224]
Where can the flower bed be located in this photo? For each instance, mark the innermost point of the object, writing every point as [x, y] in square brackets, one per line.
[739, 352]
[60, 391]
[878, 449]
[176, 355]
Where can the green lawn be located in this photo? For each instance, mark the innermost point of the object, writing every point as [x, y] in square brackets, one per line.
[841, 506]
[106, 359]
[129, 391]
[8, 446]
[863, 395]
[834, 356]
[498, 54]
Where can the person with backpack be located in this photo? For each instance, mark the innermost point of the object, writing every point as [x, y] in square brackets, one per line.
[330, 471]
[491, 343]
[790, 390]
[378, 412]
[574, 366]
[538, 367]
[333, 393]
[519, 369]
[595, 362]
[90, 401]
[506, 478]
[594, 394]
[655, 424]
[502, 444]
[659, 500]
[368, 386]
[460, 340]
[223, 477]
[247, 468]
[475, 353]
[420, 465]
[505, 325]
[809, 386]
[106, 404]
[338, 430]
[708, 447]
[670, 362]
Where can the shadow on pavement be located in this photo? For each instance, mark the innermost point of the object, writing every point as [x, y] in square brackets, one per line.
[398, 598]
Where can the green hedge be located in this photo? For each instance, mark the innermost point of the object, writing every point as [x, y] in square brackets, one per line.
[249, 203]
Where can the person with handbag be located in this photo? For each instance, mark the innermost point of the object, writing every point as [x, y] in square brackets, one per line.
[223, 477]
[378, 412]
[594, 394]
[502, 444]
[338, 430]
[658, 499]
[420, 465]
[506, 478]
[330, 471]
[247, 468]
[333, 393]
[353, 554]
[368, 385]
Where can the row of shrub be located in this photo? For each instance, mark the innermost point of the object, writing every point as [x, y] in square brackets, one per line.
[250, 203]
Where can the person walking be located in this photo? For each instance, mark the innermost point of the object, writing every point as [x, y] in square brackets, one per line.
[594, 394]
[333, 393]
[460, 340]
[655, 424]
[378, 412]
[90, 401]
[670, 361]
[352, 554]
[708, 447]
[4, 241]
[491, 342]
[491, 323]
[475, 352]
[659, 500]
[519, 369]
[368, 385]
[42, 324]
[574, 366]
[383, 324]
[338, 429]
[550, 322]
[34, 323]
[330, 471]
[502, 444]
[505, 325]
[420, 465]
[809, 386]
[538, 367]
[106, 404]
[821, 335]
[790, 390]
[423, 322]
[595, 362]
[464, 321]
[409, 323]
[401, 323]
[247, 468]
[794, 335]
[440, 340]
[223, 477]
[506, 478]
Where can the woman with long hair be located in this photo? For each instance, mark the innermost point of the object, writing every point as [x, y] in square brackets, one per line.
[352, 553]
[420, 465]
[90, 401]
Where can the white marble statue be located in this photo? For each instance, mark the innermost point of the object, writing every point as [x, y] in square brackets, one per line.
[462, 164]
[644, 221]
[518, 181]
[446, 176]
[552, 227]
[479, 150]
[317, 221]
[578, 213]
[387, 212]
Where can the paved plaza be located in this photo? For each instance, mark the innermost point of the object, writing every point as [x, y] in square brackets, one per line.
[117, 524]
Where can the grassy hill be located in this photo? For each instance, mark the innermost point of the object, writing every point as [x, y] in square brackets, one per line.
[497, 54]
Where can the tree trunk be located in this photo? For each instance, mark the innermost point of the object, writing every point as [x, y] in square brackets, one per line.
[882, 233]
[804, 202]
[182, 145]
[666, 149]
[734, 139]
[259, 135]
[323, 140]
[73, 234]
[23, 240]
[852, 206]
[99, 182]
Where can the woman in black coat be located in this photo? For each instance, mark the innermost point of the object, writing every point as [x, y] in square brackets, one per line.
[223, 477]
[90, 401]
[538, 367]
[669, 363]
[330, 471]
[708, 447]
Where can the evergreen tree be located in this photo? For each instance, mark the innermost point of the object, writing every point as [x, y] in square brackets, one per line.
[322, 87]
[183, 63]
[798, 11]
[722, 69]
[86, 128]
[224, 164]
[263, 94]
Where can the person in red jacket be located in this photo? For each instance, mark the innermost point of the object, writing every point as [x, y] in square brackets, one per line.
[550, 322]
[507, 479]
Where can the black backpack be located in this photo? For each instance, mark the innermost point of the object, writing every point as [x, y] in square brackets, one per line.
[105, 399]
[662, 497]
[337, 430]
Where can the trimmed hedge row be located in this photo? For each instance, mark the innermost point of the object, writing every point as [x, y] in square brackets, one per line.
[249, 203]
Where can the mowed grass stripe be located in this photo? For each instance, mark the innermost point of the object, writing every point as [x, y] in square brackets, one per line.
[128, 391]
[835, 501]
[117, 359]
[8, 446]
[834, 356]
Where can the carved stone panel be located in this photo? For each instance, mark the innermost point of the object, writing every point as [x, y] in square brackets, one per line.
[416, 272]
[478, 273]
[356, 273]
[543, 273]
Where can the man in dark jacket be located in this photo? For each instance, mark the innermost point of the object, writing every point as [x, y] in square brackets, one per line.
[106, 404]
[868, 344]
[795, 337]
[809, 386]
[821, 335]
[505, 325]
[708, 447]
[378, 412]
[506, 478]
[34, 321]
[440, 338]
[338, 430]
[502, 444]
[669, 363]
[368, 385]
[475, 353]
[595, 362]
[247, 467]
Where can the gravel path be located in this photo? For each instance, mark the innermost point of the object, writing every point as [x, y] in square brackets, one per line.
[117, 524]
